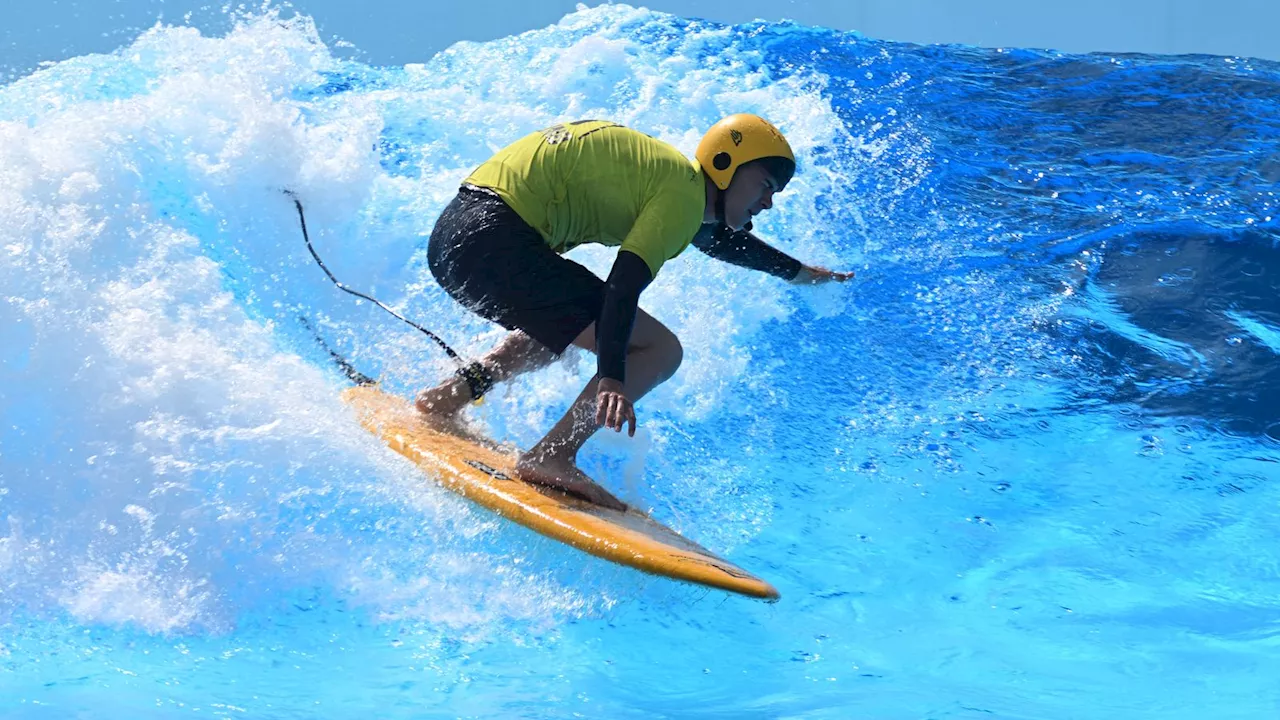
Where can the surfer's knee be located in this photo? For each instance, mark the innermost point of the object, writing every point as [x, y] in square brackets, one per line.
[677, 355]
[668, 353]
[656, 346]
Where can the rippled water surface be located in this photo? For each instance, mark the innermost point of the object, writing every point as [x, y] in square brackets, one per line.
[1024, 467]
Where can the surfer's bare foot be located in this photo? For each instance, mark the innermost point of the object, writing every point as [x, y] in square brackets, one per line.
[442, 415]
[564, 475]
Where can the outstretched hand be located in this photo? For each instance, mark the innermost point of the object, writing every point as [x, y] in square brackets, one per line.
[810, 275]
[613, 408]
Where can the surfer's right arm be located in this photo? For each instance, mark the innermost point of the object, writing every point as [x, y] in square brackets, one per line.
[744, 249]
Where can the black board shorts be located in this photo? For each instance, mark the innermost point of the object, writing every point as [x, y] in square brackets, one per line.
[492, 262]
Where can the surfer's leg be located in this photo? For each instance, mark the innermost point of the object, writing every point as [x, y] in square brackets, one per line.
[517, 353]
[653, 356]
[493, 263]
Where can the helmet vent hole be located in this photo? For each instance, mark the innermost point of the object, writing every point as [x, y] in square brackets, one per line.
[722, 161]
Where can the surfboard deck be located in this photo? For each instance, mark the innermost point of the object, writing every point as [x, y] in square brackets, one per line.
[487, 477]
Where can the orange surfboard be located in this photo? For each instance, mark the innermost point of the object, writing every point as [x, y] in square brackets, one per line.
[487, 477]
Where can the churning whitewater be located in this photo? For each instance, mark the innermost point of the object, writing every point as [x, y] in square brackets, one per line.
[1030, 451]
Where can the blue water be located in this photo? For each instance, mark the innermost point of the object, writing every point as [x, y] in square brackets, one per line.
[1024, 467]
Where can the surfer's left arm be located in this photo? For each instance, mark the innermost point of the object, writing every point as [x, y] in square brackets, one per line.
[744, 249]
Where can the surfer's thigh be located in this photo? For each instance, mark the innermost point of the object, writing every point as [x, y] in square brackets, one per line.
[653, 341]
[492, 262]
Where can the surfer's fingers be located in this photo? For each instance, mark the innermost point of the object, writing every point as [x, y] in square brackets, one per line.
[604, 410]
[609, 411]
[627, 415]
[619, 415]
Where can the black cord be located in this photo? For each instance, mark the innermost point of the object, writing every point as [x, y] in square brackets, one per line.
[346, 367]
[478, 379]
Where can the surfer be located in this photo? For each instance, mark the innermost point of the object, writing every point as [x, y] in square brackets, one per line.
[497, 248]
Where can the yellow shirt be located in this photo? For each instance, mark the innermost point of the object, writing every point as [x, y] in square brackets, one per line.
[596, 181]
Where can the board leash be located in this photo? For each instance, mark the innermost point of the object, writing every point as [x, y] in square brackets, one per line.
[478, 379]
[343, 364]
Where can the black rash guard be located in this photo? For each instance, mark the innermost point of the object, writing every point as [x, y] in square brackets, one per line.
[630, 276]
[743, 249]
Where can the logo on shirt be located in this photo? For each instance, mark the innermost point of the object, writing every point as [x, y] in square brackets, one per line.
[557, 134]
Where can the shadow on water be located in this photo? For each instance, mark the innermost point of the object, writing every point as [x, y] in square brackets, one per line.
[1186, 325]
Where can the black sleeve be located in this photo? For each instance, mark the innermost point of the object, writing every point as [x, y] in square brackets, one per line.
[746, 250]
[629, 277]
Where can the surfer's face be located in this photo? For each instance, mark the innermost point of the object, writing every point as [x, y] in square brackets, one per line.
[750, 194]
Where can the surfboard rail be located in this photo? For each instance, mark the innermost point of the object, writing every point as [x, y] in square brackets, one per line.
[487, 477]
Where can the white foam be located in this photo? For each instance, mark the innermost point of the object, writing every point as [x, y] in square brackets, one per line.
[166, 442]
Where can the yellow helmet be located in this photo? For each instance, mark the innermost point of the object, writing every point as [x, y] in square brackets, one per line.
[738, 140]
